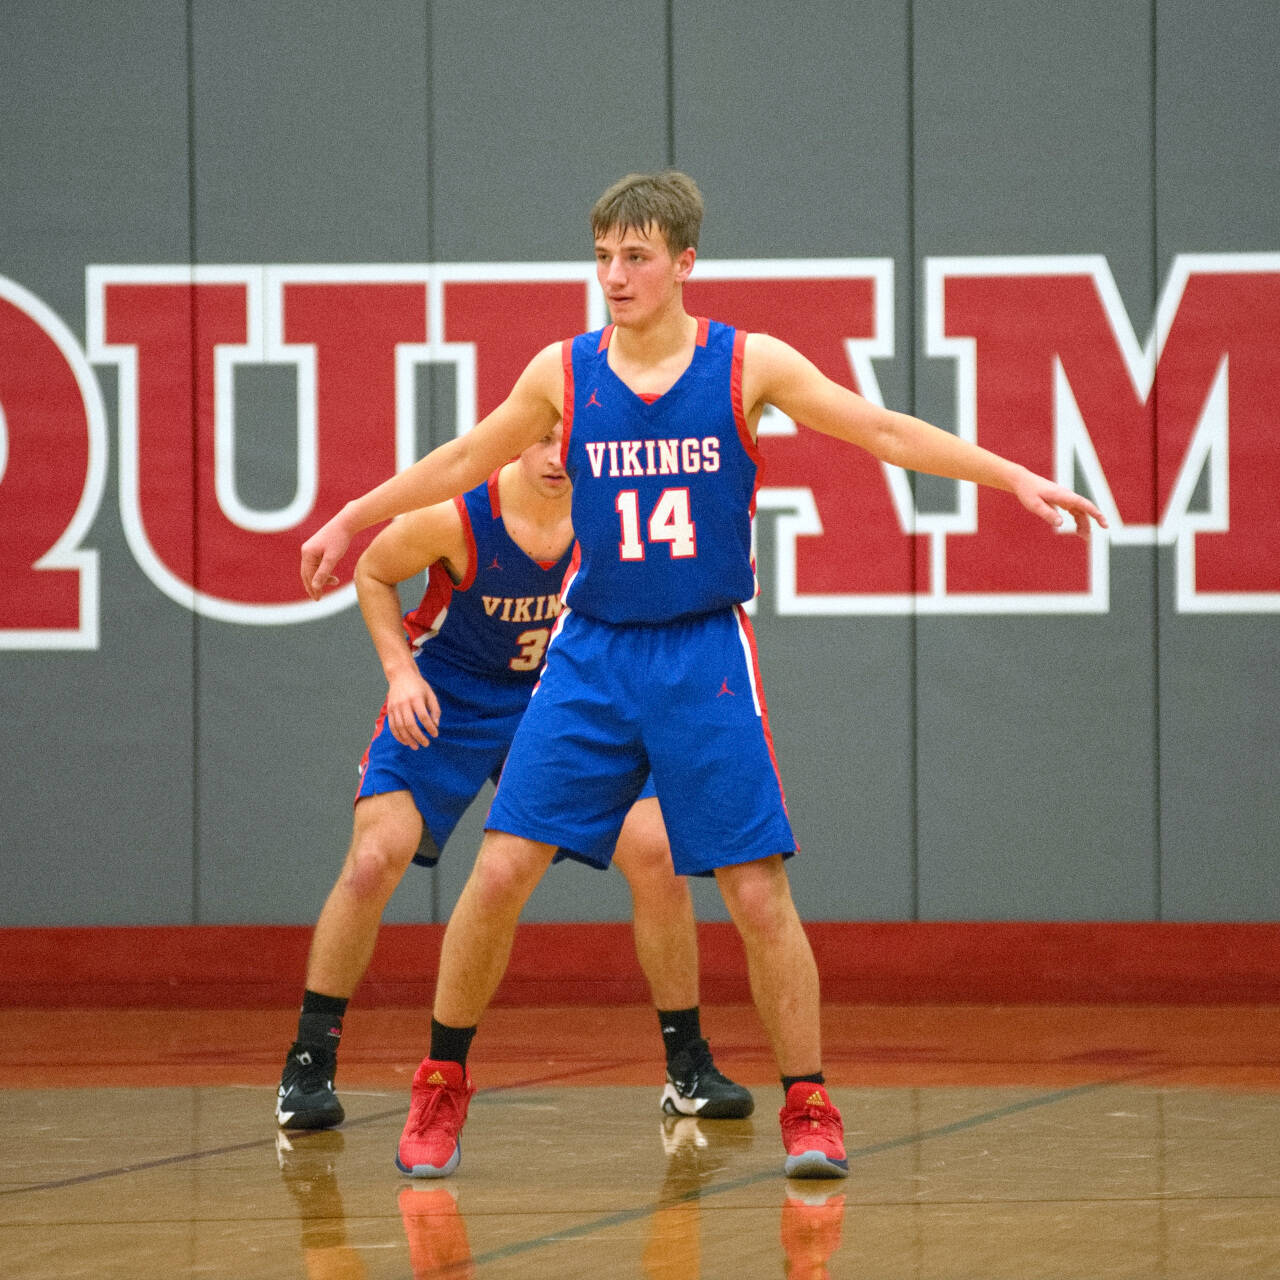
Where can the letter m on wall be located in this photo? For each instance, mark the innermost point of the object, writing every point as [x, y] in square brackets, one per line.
[1177, 438]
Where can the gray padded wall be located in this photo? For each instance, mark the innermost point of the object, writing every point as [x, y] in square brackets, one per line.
[1105, 765]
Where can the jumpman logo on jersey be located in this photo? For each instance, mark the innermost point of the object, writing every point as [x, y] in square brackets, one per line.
[593, 400]
[724, 688]
[495, 564]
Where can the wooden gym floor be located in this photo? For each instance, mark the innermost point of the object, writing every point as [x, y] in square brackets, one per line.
[1027, 1142]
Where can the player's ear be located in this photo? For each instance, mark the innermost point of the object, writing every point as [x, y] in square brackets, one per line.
[684, 263]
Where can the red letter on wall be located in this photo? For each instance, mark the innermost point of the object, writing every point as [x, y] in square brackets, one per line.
[177, 344]
[53, 451]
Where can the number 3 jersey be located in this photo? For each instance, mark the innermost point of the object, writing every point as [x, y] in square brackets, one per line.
[663, 488]
[495, 623]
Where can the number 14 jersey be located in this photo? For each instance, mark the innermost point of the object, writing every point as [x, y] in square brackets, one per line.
[663, 489]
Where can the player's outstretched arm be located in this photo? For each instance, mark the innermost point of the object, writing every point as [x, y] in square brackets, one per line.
[775, 373]
[531, 410]
[403, 549]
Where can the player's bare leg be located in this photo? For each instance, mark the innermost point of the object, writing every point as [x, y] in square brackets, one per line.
[473, 958]
[666, 938]
[784, 985]
[662, 908]
[780, 964]
[478, 937]
[386, 831]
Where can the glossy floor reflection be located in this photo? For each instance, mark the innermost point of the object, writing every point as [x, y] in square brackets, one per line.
[1110, 1158]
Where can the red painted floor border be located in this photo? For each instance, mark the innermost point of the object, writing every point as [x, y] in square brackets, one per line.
[261, 966]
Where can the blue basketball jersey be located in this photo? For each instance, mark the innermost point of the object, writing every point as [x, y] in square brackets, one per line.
[496, 622]
[663, 490]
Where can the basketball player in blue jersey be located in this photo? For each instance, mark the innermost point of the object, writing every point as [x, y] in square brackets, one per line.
[651, 665]
[496, 559]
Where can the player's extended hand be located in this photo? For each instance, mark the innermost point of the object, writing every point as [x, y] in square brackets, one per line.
[1048, 501]
[413, 711]
[320, 553]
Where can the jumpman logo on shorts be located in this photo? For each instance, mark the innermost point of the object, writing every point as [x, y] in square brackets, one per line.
[724, 688]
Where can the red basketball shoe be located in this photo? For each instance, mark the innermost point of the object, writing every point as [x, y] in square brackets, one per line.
[429, 1145]
[812, 1133]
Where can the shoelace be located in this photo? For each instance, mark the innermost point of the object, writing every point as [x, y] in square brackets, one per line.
[312, 1076]
[821, 1117]
[427, 1104]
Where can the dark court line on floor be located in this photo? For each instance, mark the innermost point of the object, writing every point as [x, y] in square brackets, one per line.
[184, 1157]
[625, 1216]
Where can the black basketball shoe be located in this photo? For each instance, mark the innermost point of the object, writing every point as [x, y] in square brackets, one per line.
[305, 1099]
[695, 1088]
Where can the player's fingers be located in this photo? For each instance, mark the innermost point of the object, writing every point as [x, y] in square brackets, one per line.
[1047, 512]
[324, 575]
[427, 718]
[308, 570]
[432, 705]
[396, 723]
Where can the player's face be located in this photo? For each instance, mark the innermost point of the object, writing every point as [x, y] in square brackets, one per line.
[541, 463]
[637, 272]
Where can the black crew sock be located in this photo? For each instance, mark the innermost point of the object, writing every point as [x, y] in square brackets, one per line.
[450, 1044]
[320, 1023]
[680, 1027]
[816, 1078]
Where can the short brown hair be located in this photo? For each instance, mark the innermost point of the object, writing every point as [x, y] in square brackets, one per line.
[669, 201]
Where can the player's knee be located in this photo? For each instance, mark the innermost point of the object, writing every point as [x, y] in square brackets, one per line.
[376, 864]
[506, 873]
[759, 900]
[646, 865]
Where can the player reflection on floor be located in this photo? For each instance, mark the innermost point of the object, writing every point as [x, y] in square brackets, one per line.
[811, 1222]
[433, 1227]
[812, 1217]
[437, 1235]
[308, 1164]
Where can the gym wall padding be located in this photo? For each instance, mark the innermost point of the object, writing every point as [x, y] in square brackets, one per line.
[977, 762]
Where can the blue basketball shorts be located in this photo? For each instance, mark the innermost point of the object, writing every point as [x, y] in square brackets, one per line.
[681, 700]
[478, 719]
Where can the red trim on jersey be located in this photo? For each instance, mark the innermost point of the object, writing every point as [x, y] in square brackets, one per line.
[744, 624]
[704, 328]
[735, 395]
[566, 409]
[751, 446]
[470, 534]
[571, 572]
[606, 336]
[429, 614]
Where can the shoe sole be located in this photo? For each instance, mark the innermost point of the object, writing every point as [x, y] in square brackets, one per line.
[815, 1164]
[706, 1108]
[431, 1170]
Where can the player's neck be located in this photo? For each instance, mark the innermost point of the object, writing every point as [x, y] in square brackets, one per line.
[655, 340]
[541, 526]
